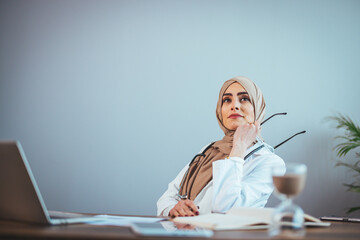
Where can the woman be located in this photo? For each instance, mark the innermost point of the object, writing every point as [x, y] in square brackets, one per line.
[232, 172]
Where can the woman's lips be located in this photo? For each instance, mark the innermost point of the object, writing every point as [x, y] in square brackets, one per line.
[234, 116]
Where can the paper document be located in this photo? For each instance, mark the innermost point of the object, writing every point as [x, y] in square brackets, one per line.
[241, 219]
[123, 220]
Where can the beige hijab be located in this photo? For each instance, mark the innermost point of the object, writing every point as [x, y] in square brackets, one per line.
[200, 171]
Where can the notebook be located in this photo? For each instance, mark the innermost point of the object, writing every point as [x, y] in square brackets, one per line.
[242, 218]
[20, 198]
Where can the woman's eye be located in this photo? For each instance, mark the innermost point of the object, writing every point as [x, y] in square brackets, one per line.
[244, 99]
[226, 100]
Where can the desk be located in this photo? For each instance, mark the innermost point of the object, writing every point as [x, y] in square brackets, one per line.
[13, 230]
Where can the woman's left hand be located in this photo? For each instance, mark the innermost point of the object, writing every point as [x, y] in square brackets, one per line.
[244, 136]
[184, 208]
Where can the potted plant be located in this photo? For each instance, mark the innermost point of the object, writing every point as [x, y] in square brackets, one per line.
[351, 141]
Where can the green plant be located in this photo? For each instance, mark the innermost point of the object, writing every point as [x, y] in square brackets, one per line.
[351, 140]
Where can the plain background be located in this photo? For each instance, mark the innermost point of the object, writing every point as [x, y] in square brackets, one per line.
[110, 99]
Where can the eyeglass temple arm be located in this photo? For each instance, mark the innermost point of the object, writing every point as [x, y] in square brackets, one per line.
[284, 113]
[289, 139]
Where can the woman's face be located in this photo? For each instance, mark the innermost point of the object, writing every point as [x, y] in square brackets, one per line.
[236, 107]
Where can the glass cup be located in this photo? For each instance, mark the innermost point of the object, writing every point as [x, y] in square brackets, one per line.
[288, 218]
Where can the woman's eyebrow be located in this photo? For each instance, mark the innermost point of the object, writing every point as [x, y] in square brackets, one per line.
[239, 93]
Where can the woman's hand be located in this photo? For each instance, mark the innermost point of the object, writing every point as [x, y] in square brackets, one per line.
[184, 208]
[244, 136]
[184, 226]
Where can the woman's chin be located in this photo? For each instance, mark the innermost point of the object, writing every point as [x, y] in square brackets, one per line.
[234, 126]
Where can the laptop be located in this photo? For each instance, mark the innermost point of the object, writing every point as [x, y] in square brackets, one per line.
[20, 198]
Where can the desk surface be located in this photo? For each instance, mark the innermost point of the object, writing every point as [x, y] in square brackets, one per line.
[13, 230]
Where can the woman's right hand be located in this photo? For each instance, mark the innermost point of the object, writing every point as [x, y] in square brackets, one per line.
[184, 208]
[244, 136]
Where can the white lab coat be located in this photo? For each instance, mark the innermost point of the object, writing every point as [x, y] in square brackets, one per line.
[235, 183]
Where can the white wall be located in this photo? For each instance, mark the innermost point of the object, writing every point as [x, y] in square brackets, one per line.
[110, 99]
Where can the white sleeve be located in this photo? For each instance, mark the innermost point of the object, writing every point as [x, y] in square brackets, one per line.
[168, 200]
[234, 188]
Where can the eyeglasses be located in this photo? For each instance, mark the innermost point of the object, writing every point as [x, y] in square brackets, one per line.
[284, 113]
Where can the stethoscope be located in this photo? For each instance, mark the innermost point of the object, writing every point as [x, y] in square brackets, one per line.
[202, 154]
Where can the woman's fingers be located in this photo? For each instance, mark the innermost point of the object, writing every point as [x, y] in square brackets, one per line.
[244, 136]
[183, 211]
[174, 213]
[191, 205]
[249, 130]
[184, 208]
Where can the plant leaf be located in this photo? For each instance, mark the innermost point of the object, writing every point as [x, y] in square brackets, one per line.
[352, 187]
[343, 148]
[346, 123]
[354, 167]
[351, 137]
[353, 209]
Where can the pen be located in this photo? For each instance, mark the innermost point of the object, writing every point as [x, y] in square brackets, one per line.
[341, 219]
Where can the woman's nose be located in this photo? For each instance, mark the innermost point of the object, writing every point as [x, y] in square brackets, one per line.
[236, 105]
